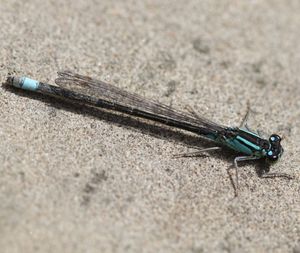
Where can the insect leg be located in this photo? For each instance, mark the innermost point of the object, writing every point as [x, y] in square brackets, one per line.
[235, 162]
[196, 153]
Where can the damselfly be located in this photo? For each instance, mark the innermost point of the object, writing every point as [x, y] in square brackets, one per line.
[92, 92]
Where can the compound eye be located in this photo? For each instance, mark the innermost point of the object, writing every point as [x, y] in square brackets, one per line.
[275, 138]
[272, 155]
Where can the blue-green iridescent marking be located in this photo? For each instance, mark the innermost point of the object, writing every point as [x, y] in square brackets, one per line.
[248, 143]
[239, 143]
[238, 146]
[211, 136]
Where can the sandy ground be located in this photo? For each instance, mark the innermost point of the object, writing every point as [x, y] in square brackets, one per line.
[76, 180]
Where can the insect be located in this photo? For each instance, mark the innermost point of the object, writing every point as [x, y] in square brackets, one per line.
[86, 90]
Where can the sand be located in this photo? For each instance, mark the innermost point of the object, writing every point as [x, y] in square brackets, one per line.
[80, 180]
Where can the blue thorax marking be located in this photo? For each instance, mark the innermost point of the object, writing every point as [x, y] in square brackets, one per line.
[244, 141]
[212, 136]
[235, 144]
[248, 143]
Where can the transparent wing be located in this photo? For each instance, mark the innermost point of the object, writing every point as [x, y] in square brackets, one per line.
[101, 90]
